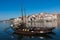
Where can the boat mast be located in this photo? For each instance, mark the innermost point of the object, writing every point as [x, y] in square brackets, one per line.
[25, 14]
[22, 12]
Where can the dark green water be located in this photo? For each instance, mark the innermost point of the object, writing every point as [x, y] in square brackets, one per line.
[10, 35]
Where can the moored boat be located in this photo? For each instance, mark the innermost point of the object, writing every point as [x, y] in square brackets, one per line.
[22, 29]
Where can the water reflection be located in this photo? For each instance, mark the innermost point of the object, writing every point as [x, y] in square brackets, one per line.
[34, 37]
[47, 36]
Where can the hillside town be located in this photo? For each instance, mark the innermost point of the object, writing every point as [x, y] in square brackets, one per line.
[36, 19]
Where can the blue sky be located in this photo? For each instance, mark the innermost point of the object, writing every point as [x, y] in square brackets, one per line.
[11, 8]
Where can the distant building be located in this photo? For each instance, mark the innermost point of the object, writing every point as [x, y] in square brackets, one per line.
[43, 17]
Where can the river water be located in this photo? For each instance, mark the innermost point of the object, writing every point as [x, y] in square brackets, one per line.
[6, 33]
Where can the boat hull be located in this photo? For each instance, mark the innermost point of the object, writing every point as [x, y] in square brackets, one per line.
[33, 32]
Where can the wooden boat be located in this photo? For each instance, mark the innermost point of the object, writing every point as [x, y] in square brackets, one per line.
[32, 32]
[22, 29]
